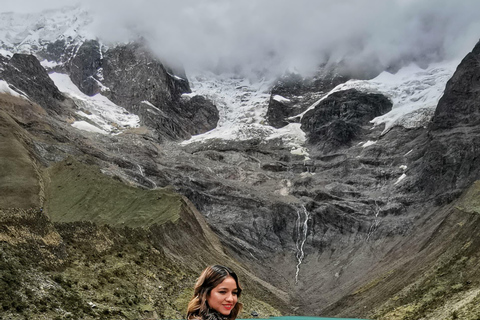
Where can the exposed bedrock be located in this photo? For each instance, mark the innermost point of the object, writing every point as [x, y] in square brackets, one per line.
[348, 206]
[25, 73]
[341, 117]
[450, 161]
[132, 77]
[85, 68]
[292, 94]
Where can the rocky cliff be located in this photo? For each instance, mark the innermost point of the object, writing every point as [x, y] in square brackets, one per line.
[430, 274]
[132, 77]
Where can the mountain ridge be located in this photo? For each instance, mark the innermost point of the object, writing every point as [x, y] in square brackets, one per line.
[309, 228]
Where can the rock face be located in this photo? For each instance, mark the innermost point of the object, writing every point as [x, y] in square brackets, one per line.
[201, 113]
[340, 118]
[132, 77]
[85, 68]
[292, 94]
[279, 110]
[60, 51]
[132, 73]
[450, 162]
[27, 74]
[460, 104]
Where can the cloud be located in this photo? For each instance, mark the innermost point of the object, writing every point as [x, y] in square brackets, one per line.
[33, 6]
[274, 35]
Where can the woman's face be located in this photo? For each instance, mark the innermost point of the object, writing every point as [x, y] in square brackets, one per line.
[223, 297]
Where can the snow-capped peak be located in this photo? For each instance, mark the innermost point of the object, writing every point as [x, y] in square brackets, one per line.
[28, 33]
[414, 92]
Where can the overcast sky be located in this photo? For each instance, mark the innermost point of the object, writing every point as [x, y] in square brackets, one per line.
[278, 34]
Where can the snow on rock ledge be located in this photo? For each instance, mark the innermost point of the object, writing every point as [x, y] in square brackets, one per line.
[414, 92]
[106, 115]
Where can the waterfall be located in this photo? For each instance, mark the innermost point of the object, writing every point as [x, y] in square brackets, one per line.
[302, 231]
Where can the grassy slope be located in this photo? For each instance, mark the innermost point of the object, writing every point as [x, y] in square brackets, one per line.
[433, 275]
[78, 192]
[80, 270]
[19, 183]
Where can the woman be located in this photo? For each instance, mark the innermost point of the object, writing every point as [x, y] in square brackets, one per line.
[215, 295]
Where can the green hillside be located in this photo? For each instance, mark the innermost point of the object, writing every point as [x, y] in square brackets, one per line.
[78, 192]
[19, 181]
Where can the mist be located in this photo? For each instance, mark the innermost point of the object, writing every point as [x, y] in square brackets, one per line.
[272, 36]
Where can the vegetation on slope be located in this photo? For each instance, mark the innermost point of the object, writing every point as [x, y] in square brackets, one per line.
[78, 192]
[19, 183]
[431, 275]
[448, 288]
[83, 270]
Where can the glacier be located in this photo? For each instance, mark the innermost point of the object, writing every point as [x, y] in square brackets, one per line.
[242, 102]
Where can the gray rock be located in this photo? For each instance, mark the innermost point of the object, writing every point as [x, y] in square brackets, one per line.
[460, 103]
[340, 118]
[27, 75]
[448, 161]
[85, 67]
[301, 93]
[138, 81]
[132, 77]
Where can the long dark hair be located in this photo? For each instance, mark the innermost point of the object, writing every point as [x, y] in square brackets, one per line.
[211, 277]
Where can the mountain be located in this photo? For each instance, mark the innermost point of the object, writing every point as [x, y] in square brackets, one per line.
[334, 195]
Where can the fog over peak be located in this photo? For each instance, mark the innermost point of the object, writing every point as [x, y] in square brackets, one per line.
[277, 35]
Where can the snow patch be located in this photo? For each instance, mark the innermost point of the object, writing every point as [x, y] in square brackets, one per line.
[5, 88]
[84, 125]
[148, 103]
[280, 98]
[49, 64]
[414, 92]
[403, 176]
[26, 33]
[5, 53]
[108, 116]
[242, 105]
[368, 143]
